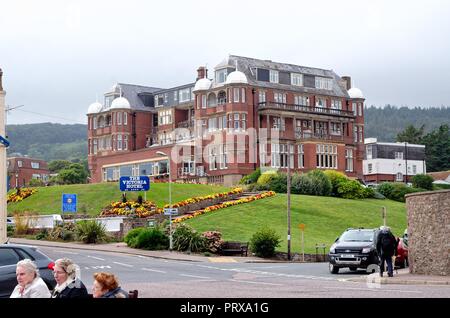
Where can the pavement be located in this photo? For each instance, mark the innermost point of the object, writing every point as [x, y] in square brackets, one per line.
[401, 276]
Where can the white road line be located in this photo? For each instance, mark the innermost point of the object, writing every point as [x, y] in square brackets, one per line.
[94, 257]
[377, 289]
[250, 282]
[65, 252]
[127, 265]
[193, 276]
[266, 267]
[153, 270]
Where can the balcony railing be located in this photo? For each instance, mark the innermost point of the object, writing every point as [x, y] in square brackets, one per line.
[185, 124]
[316, 135]
[305, 109]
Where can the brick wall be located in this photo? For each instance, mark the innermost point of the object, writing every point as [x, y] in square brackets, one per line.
[429, 232]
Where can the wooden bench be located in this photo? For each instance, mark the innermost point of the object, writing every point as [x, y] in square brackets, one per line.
[234, 248]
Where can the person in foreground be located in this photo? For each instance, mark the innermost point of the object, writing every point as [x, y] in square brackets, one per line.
[386, 248]
[67, 283]
[106, 285]
[30, 284]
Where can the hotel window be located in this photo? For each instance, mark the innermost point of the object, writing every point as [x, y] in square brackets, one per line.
[399, 177]
[236, 95]
[165, 117]
[212, 158]
[175, 96]
[223, 156]
[20, 163]
[301, 100]
[35, 165]
[336, 105]
[326, 156]
[125, 142]
[221, 76]
[236, 121]
[184, 95]
[398, 155]
[244, 121]
[273, 76]
[278, 123]
[125, 118]
[321, 102]
[262, 154]
[212, 124]
[95, 146]
[359, 109]
[261, 96]
[243, 94]
[119, 142]
[369, 152]
[354, 109]
[135, 170]
[324, 83]
[296, 79]
[203, 101]
[275, 152]
[361, 134]
[349, 160]
[355, 133]
[279, 98]
[335, 129]
[414, 167]
[369, 168]
[282, 155]
[301, 156]
[119, 118]
[166, 98]
[95, 122]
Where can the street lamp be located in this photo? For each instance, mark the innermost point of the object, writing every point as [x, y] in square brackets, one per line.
[170, 197]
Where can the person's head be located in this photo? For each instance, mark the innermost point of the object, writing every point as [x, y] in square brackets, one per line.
[104, 282]
[26, 272]
[385, 228]
[64, 270]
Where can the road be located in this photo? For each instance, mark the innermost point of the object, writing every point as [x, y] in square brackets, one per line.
[156, 278]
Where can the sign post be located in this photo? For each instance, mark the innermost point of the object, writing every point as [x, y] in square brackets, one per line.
[383, 215]
[302, 229]
[141, 183]
[69, 203]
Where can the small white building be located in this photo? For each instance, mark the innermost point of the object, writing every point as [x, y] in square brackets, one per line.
[393, 162]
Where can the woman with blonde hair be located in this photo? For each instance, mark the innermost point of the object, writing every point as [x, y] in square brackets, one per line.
[30, 284]
[68, 285]
[106, 285]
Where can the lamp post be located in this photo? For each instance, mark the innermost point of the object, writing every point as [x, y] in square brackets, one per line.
[170, 197]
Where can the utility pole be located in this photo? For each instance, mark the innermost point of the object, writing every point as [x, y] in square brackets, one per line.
[289, 206]
[3, 198]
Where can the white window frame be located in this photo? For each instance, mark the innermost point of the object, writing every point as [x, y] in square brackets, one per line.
[349, 160]
[296, 79]
[323, 83]
[184, 95]
[125, 118]
[275, 155]
[369, 152]
[262, 154]
[35, 165]
[119, 118]
[301, 155]
[125, 142]
[399, 176]
[175, 96]
[261, 96]
[369, 168]
[359, 109]
[203, 101]
[399, 155]
[273, 76]
[235, 95]
[119, 142]
[326, 156]
[243, 95]
[221, 76]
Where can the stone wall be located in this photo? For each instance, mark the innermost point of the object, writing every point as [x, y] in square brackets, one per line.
[429, 232]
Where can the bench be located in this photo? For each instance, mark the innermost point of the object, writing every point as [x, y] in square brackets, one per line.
[133, 294]
[234, 248]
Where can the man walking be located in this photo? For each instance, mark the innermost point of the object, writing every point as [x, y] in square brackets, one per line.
[386, 248]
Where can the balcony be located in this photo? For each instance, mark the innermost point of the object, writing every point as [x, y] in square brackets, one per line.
[305, 109]
[186, 124]
[305, 135]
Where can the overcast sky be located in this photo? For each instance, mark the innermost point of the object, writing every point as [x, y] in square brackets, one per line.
[57, 56]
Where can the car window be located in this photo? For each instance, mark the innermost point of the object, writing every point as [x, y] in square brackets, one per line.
[8, 257]
[24, 254]
[357, 236]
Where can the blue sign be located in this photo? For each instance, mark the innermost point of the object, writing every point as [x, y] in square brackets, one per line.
[134, 183]
[69, 202]
[4, 142]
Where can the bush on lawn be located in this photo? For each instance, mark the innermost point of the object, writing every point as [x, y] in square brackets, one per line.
[264, 242]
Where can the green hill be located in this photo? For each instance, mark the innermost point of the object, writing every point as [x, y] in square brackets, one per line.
[325, 218]
[93, 197]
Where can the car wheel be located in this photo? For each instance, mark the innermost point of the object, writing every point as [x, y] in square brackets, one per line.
[353, 269]
[333, 269]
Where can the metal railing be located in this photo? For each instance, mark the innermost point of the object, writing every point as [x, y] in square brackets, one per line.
[305, 109]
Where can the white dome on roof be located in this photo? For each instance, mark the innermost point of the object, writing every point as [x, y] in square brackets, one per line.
[236, 77]
[355, 93]
[120, 102]
[94, 108]
[202, 84]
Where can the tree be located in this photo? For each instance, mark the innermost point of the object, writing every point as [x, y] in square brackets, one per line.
[57, 165]
[74, 174]
[411, 134]
[437, 149]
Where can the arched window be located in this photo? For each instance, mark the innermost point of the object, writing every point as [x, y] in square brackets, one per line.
[212, 101]
[399, 176]
[101, 122]
[222, 98]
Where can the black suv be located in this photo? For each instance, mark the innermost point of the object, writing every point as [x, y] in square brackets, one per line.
[10, 254]
[355, 248]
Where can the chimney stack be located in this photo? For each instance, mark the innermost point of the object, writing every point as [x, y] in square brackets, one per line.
[202, 72]
[348, 81]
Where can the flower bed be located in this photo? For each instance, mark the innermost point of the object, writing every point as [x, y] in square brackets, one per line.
[21, 194]
[224, 205]
[147, 208]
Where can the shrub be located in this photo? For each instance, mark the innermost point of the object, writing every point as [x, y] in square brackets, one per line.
[396, 191]
[42, 235]
[90, 231]
[36, 183]
[378, 195]
[351, 189]
[265, 179]
[321, 183]
[278, 183]
[64, 231]
[301, 184]
[131, 237]
[386, 189]
[213, 241]
[10, 230]
[264, 242]
[186, 238]
[423, 181]
[152, 239]
[335, 178]
[252, 177]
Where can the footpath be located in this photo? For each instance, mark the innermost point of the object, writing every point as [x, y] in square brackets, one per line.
[401, 276]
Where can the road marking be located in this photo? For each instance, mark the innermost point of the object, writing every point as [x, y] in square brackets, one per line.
[94, 257]
[250, 282]
[153, 270]
[193, 276]
[65, 252]
[127, 265]
[377, 289]
[266, 267]
[100, 266]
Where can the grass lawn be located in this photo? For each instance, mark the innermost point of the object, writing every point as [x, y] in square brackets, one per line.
[93, 197]
[325, 218]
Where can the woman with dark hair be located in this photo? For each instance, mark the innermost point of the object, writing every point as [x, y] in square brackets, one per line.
[106, 285]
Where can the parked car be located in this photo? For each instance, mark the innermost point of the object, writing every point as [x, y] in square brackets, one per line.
[355, 248]
[10, 254]
[401, 259]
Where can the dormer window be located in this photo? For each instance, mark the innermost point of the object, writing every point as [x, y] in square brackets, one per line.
[273, 76]
[109, 99]
[324, 83]
[221, 76]
[296, 79]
